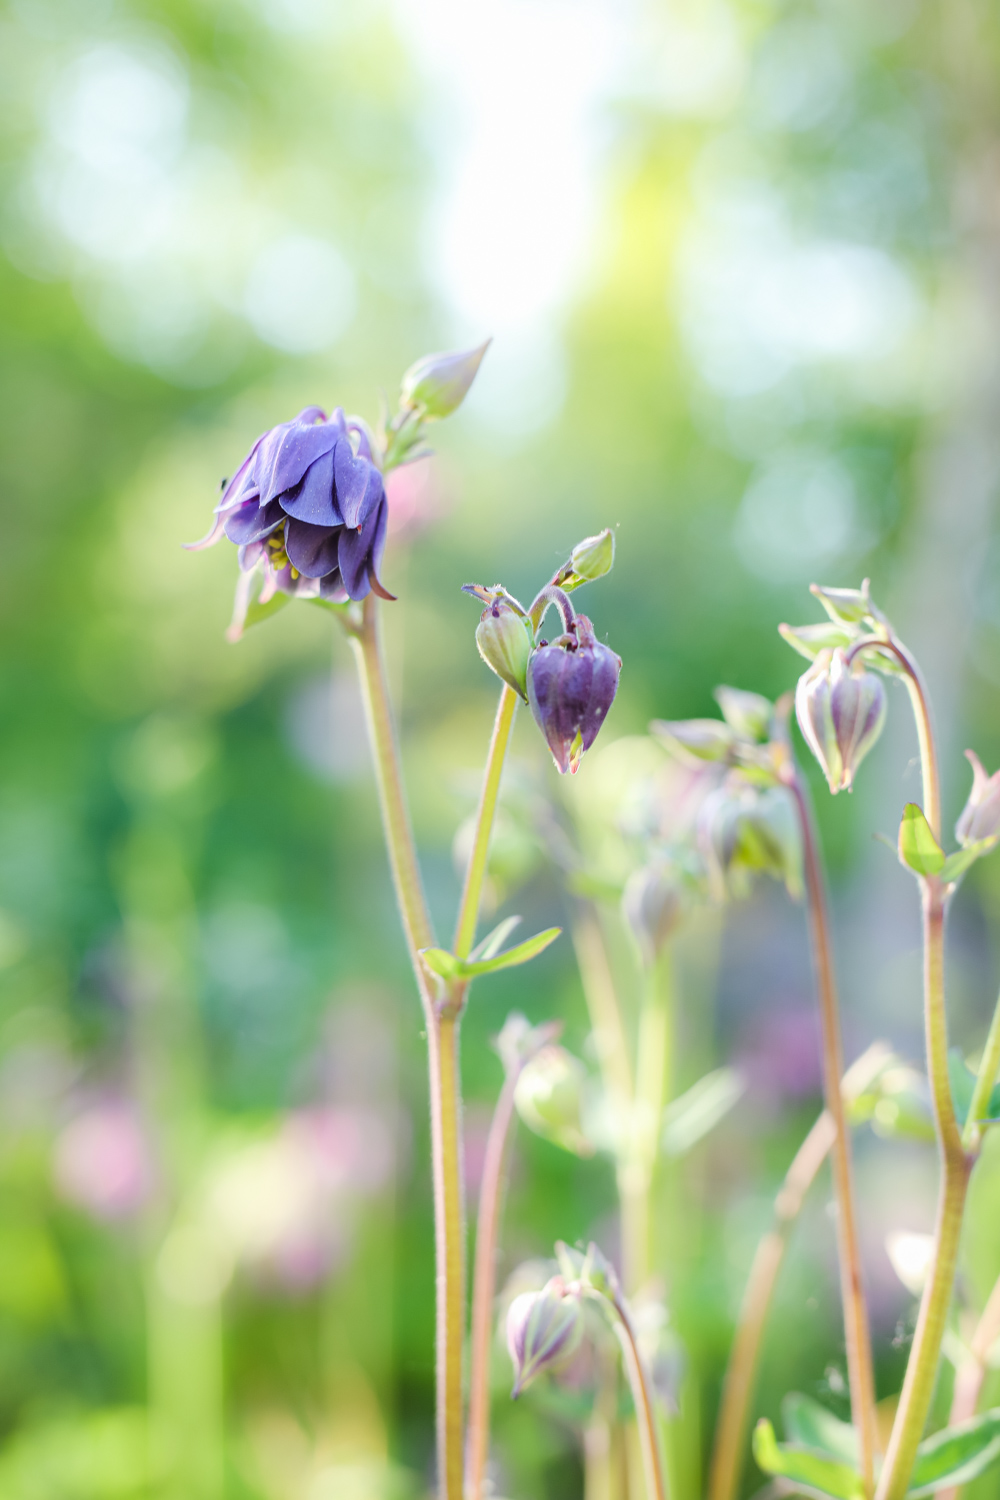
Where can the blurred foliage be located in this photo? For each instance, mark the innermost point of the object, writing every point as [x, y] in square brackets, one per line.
[739, 260]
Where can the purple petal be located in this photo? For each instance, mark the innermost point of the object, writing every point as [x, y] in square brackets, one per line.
[242, 479]
[312, 549]
[332, 587]
[359, 485]
[250, 555]
[251, 521]
[211, 537]
[288, 450]
[313, 499]
[603, 687]
[360, 552]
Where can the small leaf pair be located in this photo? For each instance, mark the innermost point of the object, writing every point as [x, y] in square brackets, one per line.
[920, 851]
[486, 959]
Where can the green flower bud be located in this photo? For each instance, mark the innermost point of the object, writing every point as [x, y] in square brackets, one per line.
[504, 642]
[438, 383]
[594, 556]
[549, 1099]
[747, 714]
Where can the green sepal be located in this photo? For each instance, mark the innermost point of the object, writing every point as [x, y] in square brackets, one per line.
[815, 1472]
[918, 848]
[328, 604]
[956, 864]
[810, 1425]
[258, 612]
[956, 1455]
[810, 640]
[700, 1109]
[441, 962]
[963, 1084]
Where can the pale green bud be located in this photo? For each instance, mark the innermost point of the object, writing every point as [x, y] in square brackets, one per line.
[504, 642]
[652, 906]
[439, 383]
[549, 1099]
[594, 556]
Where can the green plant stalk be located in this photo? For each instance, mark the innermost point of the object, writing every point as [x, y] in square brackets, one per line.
[922, 1366]
[636, 1169]
[645, 1407]
[971, 1374]
[732, 1426]
[484, 1288]
[442, 1050]
[857, 1334]
[472, 890]
[603, 1006]
[989, 1067]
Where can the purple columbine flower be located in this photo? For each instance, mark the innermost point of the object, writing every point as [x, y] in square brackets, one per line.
[307, 505]
[571, 685]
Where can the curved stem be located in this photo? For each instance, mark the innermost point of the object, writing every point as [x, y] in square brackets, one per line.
[442, 1051]
[856, 1330]
[920, 703]
[734, 1413]
[552, 594]
[645, 1408]
[970, 1377]
[472, 890]
[989, 1067]
[921, 1368]
[484, 1288]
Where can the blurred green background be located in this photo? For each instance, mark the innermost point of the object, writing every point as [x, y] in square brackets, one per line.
[740, 262]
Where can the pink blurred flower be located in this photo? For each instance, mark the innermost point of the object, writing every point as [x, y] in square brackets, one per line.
[102, 1161]
[416, 497]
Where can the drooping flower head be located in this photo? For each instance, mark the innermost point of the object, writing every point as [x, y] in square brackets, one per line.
[571, 685]
[307, 505]
[841, 710]
[543, 1329]
[980, 818]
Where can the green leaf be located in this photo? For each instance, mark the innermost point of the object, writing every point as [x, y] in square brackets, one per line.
[963, 1083]
[258, 612]
[956, 864]
[522, 954]
[696, 1112]
[811, 1426]
[918, 848]
[441, 962]
[491, 943]
[956, 1455]
[814, 1472]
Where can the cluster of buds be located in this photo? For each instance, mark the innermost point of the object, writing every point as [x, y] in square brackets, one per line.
[307, 507]
[569, 682]
[747, 822]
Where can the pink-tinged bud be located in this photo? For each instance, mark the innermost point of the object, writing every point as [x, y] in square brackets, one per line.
[652, 905]
[439, 383]
[980, 817]
[543, 1329]
[841, 711]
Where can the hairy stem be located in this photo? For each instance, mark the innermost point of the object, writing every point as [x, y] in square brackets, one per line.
[734, 1413]
[484, 1288]
[645, 1408]
[970, 1377]
[472, 890]
[856, 1330]
[442, 1049]
[922, 1366]
[989, 1067]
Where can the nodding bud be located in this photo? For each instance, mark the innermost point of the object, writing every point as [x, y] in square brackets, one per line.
[652, 905]
[549, 1098]
[980, 817]
[745, 829]
[594, 556]
[504, 642]
[571, 685]
[543, 1329]
[841, 711]
[439, 383]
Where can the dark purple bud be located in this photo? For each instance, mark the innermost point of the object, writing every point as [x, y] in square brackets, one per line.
[543, 1329]
[571, 685]
[841, 711]
[980, 817]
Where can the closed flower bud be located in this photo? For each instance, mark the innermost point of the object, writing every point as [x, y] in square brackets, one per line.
[747, 714]
[505, 644]
[743, 830]
[549, 1098]
[543, 1329]
[439, 383]
[571, 685]
[841, 711]
[981, 814]
[594, 556]
[652, 905]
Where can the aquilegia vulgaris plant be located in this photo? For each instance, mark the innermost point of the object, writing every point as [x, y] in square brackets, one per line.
[704, 809]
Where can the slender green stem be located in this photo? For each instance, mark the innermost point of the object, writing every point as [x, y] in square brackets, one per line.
[972, 1373]
[484, 1287]
[603, 1008]
[442, 1050]
[468, 912]
[638, 1164]
[989, 1067]
[645, 1407]
[920, 702]
[856, 1329]
[922, 1366]
[734, 1413]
